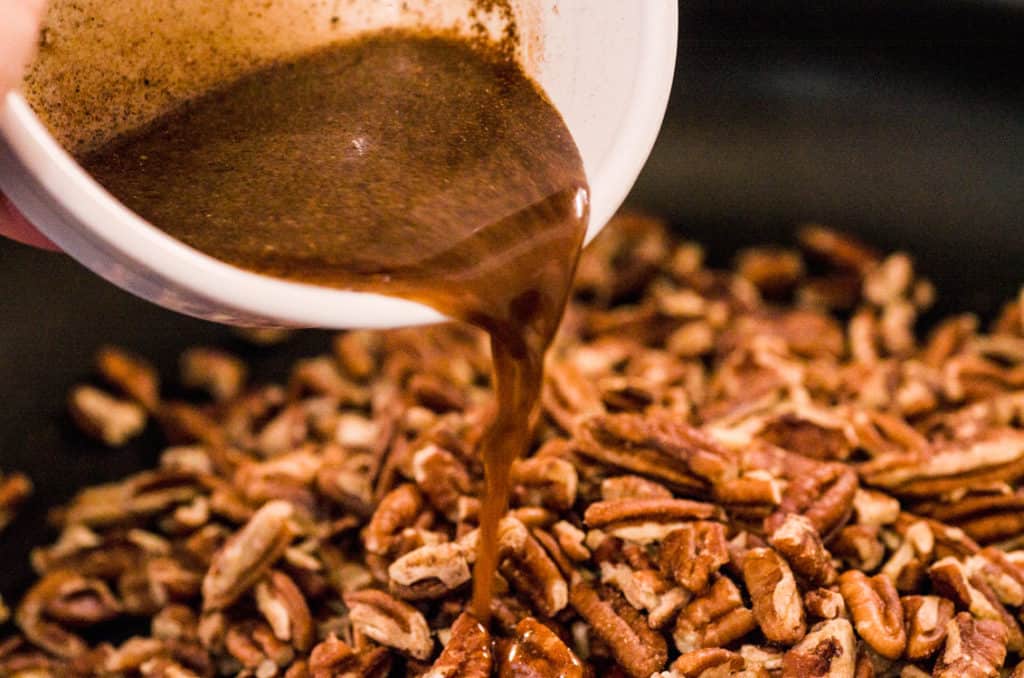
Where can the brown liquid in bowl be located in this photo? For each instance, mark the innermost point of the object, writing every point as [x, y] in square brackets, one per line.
[415, 166]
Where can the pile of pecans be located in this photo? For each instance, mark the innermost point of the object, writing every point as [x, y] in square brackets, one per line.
[758, 472]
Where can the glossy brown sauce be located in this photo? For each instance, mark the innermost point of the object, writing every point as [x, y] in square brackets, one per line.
[415, 166]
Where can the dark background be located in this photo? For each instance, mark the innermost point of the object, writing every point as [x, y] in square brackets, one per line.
[903, 122]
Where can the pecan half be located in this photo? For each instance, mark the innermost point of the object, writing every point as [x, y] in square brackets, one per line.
[284, 607]
[638, 649]
[430, 571]
[877, 612]
[716, 618]
[707, 663]
[108, 419]
[647, 520]
[247, 555]
[776, 601]
[797, 540]
[390, 622]
[692, 554]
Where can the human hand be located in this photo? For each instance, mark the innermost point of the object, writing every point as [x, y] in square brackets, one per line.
[18, 32]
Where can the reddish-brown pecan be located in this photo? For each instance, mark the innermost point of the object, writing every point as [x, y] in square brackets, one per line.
[693, 553]
[632, 487]
[247, 555]
[776, 601]
[569, 396]
[824, 604]
[535, 576]
[796, 539]
[829, 650]
[926, 619]
[823, 496]
[877, 613]
[442, 478]
[468, 652]
[64, 597]
[707, 663]
[332, 658]
[975, 648]
[636, 647]
[390, 622]
[986, 517]
[657, 447]
[714, 619]
[397, 510]
[134, 376]
[537, 651]
[647, 520]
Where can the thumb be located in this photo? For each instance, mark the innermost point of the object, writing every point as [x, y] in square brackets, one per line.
[18, 32]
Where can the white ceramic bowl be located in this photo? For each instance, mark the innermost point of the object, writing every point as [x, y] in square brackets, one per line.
[606, 64]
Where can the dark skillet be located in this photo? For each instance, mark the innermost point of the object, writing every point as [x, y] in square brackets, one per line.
[903, 126]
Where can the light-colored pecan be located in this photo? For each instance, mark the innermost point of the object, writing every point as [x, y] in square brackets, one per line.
[647, 520]
[714, 619]
[537, 651]
[875, 508]
[134, 376]
[1004, 576]
[220, 374]
[926, 619]
[632, 487]
[545, 481]
[322, 377]
[636, 647]
[390, 622]
[824, 604]
[762, 660]
[397, 510]
[286, 431]
[468, 653]
[571, 540]
[284, 607]
[656, 447]
[859, 546]
[692, 554]
[646, 590]
[908, 562]
[775, 599]
[442, 478]
[877, 612]
[430, 571]
[797, 540]
[247, 555]
[829, 650]
[108, 419]
[710, 662]
[975, 648]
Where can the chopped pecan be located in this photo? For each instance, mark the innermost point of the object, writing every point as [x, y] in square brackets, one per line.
[532, 573]
[332, 658]
[632, 487]
[859, 547]
[952, 579]
[390, 622]
[829, 650]
[247, 555]
[647, 520]
[468, 653]
[975, 648]
[15, 488]
[773, 270]
[569, 397]
[545, 481]
[430, 571]
[570, 539]
[397, 510]
[824, 604]
[926, 619]
[692, 554]
[636, 647]
[537, 651]
[875, 508]
[776, 601]
[441, 477]
[220, 374]
[69, 594]
[824, 497]
[111, 421]
[877, 612]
